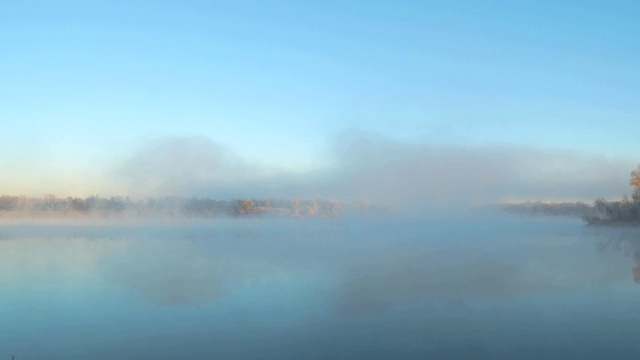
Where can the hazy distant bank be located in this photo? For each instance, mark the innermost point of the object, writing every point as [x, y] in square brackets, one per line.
[574, 209]
[602, 212]
[53, 207]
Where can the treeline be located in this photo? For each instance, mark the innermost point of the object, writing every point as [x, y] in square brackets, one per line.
[549, 208]
[625, 211]
[618, 212]
[51, 205]
[615, 212]
[601, 212]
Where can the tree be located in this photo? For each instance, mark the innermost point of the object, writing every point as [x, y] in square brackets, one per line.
[244, 206]
[313, 208]
[296, 206]
[635, 181]
[50, 202]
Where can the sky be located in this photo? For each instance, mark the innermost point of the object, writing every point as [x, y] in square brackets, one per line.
[275, 91]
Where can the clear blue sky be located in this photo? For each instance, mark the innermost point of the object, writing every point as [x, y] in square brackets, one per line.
[85, 82]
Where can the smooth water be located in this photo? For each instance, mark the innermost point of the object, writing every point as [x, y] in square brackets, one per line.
[474, 288]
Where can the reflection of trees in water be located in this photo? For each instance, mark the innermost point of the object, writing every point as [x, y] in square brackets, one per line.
[636, 270]
[626, 240]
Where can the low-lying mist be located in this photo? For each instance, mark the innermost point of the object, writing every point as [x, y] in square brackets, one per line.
[388, 173]
[376, 170]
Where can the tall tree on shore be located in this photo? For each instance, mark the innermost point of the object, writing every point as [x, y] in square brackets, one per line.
[635, 181]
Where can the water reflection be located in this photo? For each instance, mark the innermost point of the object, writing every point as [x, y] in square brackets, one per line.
[175, 275]
[37, 261]
[417, 277]
[183, 267]
[358, 290]
[625, 240]
[478, 268]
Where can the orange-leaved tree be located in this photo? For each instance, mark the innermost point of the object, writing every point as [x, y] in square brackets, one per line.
[635, 181]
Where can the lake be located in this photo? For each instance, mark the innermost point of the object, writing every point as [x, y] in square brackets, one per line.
[490, 287]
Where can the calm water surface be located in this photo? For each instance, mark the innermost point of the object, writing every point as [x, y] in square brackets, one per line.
[490, 288]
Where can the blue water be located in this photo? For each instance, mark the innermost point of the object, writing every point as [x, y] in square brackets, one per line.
[465, 288]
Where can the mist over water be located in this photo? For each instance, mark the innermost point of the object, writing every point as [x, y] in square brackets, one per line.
[319, 180]
[376, 169]
[479, 287]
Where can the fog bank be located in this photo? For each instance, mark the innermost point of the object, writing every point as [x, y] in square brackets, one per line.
[377, 170]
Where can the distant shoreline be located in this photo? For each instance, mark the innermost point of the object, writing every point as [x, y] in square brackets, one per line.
[95, 207]
[539, 208]
[624, 212]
